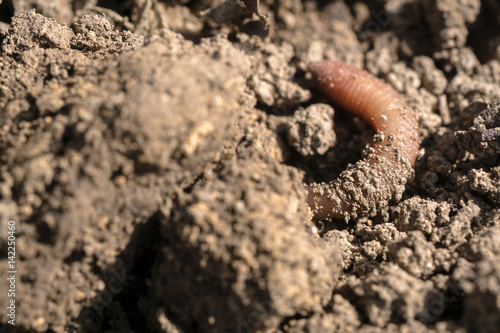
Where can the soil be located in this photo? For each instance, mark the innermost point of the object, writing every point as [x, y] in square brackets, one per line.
[153, 156]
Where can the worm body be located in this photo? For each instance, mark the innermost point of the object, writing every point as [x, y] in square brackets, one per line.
[385, 167]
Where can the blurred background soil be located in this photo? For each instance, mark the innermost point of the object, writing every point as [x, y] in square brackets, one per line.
[153, 156]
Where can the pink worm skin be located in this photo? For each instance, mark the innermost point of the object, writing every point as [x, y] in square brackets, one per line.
[382, 173]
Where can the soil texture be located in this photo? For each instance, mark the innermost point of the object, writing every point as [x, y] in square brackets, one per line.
[153, 156]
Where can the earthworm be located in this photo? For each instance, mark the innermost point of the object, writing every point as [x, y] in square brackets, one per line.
[387, 164]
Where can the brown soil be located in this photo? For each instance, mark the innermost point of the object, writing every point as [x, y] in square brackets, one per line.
[153, 159]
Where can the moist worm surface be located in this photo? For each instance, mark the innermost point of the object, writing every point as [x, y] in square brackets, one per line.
[386, 165]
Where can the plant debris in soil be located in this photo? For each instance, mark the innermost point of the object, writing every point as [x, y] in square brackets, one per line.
[153, 156]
